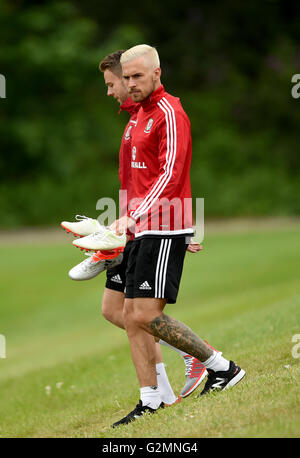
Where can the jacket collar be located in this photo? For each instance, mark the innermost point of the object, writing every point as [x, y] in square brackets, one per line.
[129, 106]
[153, 98]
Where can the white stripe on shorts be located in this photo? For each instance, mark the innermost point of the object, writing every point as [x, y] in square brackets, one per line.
[161, 267]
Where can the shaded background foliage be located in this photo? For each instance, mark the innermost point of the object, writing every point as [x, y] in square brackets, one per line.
[230, 62]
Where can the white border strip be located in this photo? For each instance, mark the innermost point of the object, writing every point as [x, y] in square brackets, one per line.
[162, 233]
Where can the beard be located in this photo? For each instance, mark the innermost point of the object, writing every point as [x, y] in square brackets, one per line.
[139, 96]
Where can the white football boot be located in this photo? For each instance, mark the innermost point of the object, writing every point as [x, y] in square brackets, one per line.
[93, 266]
[83, 226]
[104, 240]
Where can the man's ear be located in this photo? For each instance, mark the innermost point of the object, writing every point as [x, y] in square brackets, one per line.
[157, 73]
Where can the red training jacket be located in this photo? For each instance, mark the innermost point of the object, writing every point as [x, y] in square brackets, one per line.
[161, 150]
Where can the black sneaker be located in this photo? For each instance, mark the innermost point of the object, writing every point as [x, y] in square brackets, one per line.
[223, 379]
[136, 413]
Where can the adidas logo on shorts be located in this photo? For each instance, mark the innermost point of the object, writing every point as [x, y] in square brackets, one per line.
[117, 279]
[145, 285]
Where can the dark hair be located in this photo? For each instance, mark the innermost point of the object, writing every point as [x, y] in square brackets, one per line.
[112, 63]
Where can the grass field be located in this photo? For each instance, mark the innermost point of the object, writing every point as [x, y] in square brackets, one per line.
[242, 293]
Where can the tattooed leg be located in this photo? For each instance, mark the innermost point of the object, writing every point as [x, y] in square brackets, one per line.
[179, 336]
[145, 316]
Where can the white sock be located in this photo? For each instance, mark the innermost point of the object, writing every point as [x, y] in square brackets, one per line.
[216, 362]
[166, 393]
[182, 353]
[150, 396]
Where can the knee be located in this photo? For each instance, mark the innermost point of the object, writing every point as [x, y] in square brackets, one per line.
[133, 317]
[139, 318]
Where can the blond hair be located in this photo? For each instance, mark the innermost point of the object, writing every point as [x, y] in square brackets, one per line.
[150, 54]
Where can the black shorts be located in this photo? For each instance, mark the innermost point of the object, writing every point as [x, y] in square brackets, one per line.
[154, 268]
[116, 277]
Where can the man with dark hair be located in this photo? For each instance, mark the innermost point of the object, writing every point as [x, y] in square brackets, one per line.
[112, 62]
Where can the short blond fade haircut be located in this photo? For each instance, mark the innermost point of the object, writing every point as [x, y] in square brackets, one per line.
[150, 54]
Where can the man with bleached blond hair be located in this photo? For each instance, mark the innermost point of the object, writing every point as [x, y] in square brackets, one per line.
[161, 142]
[113, 296]
[161, 156]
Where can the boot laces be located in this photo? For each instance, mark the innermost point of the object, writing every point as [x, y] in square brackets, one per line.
[81, 217]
